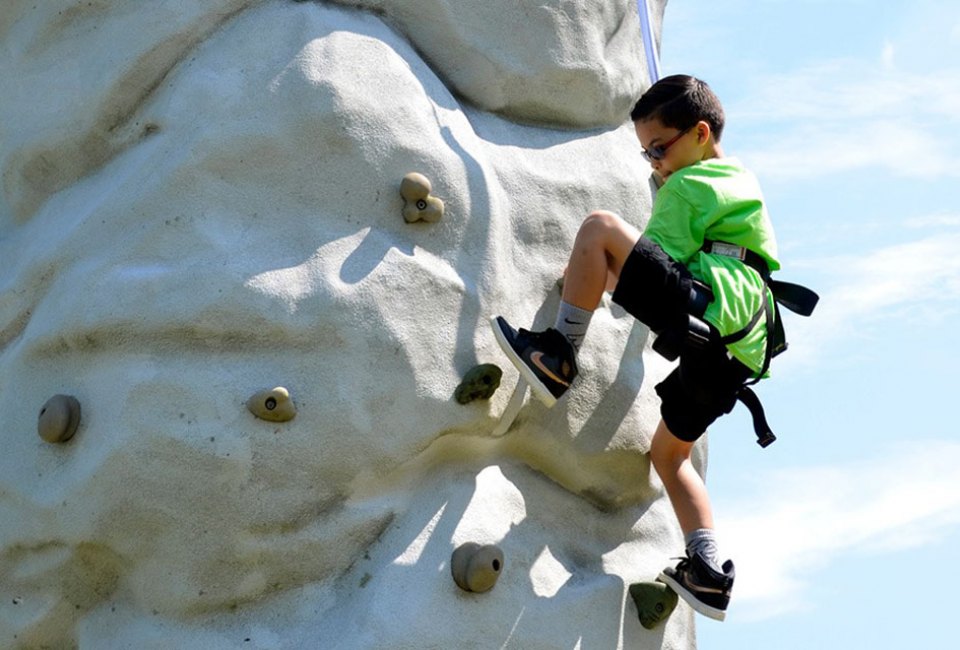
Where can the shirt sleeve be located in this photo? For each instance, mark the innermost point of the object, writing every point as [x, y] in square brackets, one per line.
[676, 225]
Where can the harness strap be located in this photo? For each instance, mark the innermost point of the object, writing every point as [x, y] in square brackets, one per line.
[765, 436]
[739, 334]
[795, 297]
[771, 319]
[742, 253]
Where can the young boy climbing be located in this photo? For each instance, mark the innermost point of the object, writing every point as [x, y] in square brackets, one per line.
[692, 277]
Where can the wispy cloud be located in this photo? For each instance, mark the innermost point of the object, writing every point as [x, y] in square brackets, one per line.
[880, 288]
[849, 115]
[806, 518]
[949, 219]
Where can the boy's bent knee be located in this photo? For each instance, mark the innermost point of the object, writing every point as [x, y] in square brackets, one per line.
[610, 231]
[602, 219]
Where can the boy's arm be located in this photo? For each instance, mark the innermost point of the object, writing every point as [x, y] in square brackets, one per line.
[676, 225]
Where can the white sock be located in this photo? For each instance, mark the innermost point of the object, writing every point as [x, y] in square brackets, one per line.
[572, 322]
[702, 541]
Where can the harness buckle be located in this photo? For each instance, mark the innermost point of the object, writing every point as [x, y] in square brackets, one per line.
[728, 250]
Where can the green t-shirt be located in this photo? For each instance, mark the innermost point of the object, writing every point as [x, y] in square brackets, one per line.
[718, 199]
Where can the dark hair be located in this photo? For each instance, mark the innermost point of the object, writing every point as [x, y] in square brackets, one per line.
[680, 101]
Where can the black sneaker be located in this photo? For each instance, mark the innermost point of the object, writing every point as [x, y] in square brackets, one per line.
[702, 587]
[546, 360]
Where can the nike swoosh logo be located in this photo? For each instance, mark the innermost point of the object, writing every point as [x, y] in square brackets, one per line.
[702, 590]
[536, 359]
[571, 322]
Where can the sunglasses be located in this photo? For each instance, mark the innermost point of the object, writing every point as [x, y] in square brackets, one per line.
[659, 151]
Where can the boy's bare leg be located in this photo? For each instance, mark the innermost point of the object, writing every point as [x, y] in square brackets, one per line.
[547, 360]
[699, 579]
[687, 491]
[603, 244]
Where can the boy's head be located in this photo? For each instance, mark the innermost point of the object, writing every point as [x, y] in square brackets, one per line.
[679, 121]
[680, 101]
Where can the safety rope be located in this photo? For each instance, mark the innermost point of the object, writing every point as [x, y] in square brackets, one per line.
[649, 44]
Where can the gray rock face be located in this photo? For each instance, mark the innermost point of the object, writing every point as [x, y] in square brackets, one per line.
[200, 202]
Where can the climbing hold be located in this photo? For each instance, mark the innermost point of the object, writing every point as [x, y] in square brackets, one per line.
[655, 601]
[59, 418]
[273, 405]
[419, 205]
[475, 567]
[480, 383]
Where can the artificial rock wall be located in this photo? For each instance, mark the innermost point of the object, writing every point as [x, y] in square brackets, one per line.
[200, 202]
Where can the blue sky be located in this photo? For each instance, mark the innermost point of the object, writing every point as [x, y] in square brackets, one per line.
[846, 531]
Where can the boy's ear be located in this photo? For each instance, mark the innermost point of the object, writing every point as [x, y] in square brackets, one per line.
[703, 131]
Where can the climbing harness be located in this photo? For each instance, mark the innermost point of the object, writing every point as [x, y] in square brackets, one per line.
[796, 298]
[696, 333]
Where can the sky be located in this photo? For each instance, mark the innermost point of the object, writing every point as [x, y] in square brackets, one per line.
[844, 532]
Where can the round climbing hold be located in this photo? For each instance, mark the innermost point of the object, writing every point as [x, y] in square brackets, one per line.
[59, 418]
[476, 568]
[274, 405]
[419, 205]
[481, 382]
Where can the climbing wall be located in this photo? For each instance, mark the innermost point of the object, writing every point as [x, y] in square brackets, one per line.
[249, 392]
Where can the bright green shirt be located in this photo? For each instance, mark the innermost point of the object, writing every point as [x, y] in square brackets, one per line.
[718, 199]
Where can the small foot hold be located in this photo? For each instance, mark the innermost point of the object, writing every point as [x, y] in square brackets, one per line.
[59, 418]
[655, 602]
[274, 405]
[476, 568]
[480, 383]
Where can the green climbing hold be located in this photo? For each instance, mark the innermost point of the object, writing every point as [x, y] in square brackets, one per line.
[480, 383]
[655, 602]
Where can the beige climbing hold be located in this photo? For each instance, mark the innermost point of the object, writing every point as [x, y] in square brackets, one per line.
[59, 418]
[475, 567]
[273, 405]
[419, 205]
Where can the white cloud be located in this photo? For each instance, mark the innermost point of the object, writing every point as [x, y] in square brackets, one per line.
[904, 151]
[912, 280]
[848, 115]
[806, 518]
[887, 55]
[933, 220]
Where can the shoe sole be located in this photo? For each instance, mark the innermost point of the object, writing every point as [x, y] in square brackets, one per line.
[542, 392]
[690, 599]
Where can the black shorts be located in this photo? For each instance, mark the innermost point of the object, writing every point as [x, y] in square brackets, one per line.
[656, 290]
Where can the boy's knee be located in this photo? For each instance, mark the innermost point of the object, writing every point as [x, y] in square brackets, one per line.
[601, 219]
[607, 229]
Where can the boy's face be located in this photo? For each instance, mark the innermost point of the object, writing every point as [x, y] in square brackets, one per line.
[669, 149]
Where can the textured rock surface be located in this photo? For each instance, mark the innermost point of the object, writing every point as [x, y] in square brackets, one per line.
[200, 200]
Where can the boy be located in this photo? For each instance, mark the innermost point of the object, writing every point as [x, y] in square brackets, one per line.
[685, 279]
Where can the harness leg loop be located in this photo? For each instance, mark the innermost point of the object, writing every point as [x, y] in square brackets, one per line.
[765, 436]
